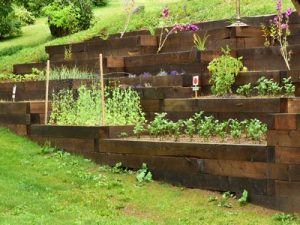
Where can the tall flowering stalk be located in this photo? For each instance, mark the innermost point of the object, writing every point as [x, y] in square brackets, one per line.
[281, 21]
[165, 32]
[279, 31]
[129, 6]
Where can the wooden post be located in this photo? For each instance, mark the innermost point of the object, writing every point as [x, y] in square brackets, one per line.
[102, 90]
[47, 91]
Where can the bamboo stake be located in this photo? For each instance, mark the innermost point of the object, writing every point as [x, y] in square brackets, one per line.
[102, 90]
[47, 91]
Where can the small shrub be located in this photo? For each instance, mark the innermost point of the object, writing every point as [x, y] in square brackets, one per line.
[100, 3]
[224, 69]
[245, 90]
[67, 17]
[24, 16]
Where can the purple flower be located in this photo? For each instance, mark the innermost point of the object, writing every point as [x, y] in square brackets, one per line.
[192, 27]
[139, 86]
[166, 12]
[288, 12]
[284, 26]
[279, 5]
[174, 73]
[146, 74]
[177, 28]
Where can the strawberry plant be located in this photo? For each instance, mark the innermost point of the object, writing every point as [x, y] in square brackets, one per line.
[224, 70]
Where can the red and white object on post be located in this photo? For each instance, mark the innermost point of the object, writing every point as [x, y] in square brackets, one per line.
[196, 85]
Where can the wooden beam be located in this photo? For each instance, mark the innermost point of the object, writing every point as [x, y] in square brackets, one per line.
[297, 5]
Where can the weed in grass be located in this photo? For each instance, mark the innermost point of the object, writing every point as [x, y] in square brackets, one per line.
[244, 198]
[143, 174]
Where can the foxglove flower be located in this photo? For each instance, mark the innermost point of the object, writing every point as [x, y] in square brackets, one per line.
[288, 12]
[166, 12]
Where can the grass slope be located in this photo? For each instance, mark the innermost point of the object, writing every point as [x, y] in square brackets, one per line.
[30, 46]
[57, 188]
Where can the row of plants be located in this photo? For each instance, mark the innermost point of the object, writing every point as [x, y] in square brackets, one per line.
[122, 106]
[202, 126]
[224, 70]
[268, 87]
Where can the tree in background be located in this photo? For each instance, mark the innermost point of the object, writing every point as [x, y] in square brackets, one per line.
[67, 17]
[9, 24]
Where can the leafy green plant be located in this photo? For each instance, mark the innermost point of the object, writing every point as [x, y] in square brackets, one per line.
[174, 129]
[118, 168]
[200, 42]
[235, 128]
[123, 135]
[138, 129]
[289, 88]
[143, 174]
[284, 218]
[267, 87]
[190, 128]
[206, 127]
[68, 53]
[245, 90]
[224, 70]
[244, 198]
[224, 201]
[221, 129]
[67, 17]
[256, 130]
[158, 127]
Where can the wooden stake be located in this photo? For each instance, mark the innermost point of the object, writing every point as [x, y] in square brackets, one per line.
[47, 91]
[102, 90]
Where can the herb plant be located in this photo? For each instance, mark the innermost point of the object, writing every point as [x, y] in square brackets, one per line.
[235, 128]
[139, 129]
[190, 128]
[224, 70]
[289, 88]
[245, 90]
[256, 129]
[267, 87]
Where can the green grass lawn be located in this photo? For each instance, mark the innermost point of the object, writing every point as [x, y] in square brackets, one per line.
[58, 188]
[30, 46]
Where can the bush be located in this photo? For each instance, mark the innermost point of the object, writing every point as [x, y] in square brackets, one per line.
[67, 17]
[35, 6]
[9, 24]
[99, 3]
[24, 16]
[224, 69]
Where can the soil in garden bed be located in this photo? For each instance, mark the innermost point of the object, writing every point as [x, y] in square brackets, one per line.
[201, 140]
